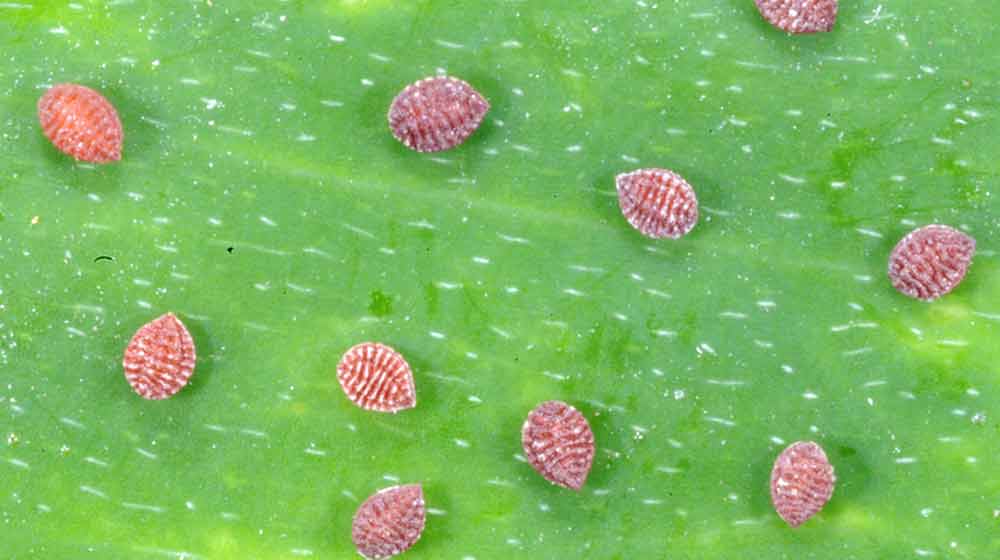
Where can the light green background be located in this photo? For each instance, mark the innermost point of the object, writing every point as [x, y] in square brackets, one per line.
[505, 273]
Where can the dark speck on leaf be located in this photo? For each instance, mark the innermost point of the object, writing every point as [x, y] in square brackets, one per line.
[104, 258]
[230, 250]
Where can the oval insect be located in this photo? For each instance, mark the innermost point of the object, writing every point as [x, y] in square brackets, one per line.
[931, 261]
[436, 114]
[376, 377]
[657, 202]
[802, 482]
[559, 444]
[80, 122]
[389, 522]
[799, 16]
[160, 358]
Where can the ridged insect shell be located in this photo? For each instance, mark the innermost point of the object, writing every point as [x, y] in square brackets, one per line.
[802, 482]
[376, 377]
[436, 114]
[389, 522]
[930, 261]
[80, 122]
[160, 358]
[558, 443]
[799, 16]
[657, 202]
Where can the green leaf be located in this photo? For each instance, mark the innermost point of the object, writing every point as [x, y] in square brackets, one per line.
[263, 200]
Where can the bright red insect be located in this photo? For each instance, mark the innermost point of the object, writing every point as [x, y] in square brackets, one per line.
[160, 358]
[559, 444]
[799, 16]
[376, 377]
[802, 482]
[930, 261]
[436, 114]
[657, 202]
[389, 522]
[81, 123]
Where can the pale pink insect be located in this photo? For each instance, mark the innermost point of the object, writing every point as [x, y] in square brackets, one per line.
[376, 377]
[558, 443]
[802, 482]
[81, 123]
[930, 261]
[160, 358]
[436, 114]
[389, 522]
[657, 202]
[799, 16]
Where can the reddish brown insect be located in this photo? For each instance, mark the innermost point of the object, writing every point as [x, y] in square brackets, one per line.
[801, 482]
[80, 122]
[799, 16]
[389, 522]
[160, 358]
[436, 114]
[376, 377]
[657, 202]
[930, 261]
[558, 443]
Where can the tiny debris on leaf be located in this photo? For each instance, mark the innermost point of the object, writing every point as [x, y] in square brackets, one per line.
[930, 261]
[559, 444]
[436, 114]
[389, 522]
[81, 123]
[802, 482]
[376, 377]
[657, 202]
[160, 358]
[799, 16]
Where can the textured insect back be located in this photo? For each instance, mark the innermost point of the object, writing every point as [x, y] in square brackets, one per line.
[376, 377]
[436, 114]
[81, 123]
[930, 261]
[559, 444]
[802, 482]
[799, 16]
[389, 522]
[657, 202]
[160, 358]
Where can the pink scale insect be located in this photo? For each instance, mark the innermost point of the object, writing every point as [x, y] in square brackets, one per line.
[389, 522]
[559, 444]
[802, 482]
[376, 377]
[160, 358]
[799, 16]
[930, 261]
[436, 114]
[81, 123]
[658, 203]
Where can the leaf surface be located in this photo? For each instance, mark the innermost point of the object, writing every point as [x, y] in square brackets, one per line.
[263, 200]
